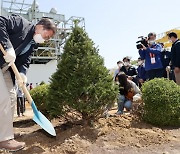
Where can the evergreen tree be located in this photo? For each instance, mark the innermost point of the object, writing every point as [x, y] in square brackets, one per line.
[81, 81]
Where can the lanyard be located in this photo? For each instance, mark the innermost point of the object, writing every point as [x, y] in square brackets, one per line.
[152, 55]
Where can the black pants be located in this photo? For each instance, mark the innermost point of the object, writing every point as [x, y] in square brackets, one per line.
[20, 105]
[155, 73]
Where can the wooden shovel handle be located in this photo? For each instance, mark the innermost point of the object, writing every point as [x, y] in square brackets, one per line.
[18, 76]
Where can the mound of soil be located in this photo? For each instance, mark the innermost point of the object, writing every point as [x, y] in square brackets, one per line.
[113, 135]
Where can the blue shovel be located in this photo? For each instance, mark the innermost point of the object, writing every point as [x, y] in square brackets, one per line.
[39, 118]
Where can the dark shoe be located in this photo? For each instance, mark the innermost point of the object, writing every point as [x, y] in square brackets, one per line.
[12, 145]
[119, 113]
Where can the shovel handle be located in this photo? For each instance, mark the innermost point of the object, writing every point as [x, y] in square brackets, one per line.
[18, 76]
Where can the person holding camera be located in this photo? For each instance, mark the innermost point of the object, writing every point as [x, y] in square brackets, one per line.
[152, 56]
[175, 55]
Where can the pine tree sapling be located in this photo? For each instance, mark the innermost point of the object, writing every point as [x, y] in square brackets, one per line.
[81, 81]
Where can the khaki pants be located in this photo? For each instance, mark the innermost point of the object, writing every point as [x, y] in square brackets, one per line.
[177, 75]
[7, 105]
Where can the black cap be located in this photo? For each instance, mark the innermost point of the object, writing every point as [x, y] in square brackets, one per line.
[128, 58]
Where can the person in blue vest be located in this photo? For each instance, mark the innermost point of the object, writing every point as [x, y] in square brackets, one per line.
[152, 57]
[19, 37]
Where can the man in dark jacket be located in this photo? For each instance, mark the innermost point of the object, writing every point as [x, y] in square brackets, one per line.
[18, 37]
[141, 76]
[152, 57]
[129, 70]
[175, 55]
[165, 59]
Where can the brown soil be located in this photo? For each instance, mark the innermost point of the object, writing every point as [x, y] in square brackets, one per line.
[114, 135]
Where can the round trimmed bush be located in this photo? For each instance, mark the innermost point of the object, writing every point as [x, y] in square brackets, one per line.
[161, 99]
[39, 95]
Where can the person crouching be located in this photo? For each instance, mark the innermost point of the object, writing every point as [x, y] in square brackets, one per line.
[128, 92]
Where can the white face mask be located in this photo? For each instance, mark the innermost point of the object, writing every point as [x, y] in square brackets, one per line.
[151, 42]
[120, 65]
[117, 82]
[126, 64]
[140, 62]
[38, 38]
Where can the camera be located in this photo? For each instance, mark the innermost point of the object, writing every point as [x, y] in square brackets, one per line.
[143, 40]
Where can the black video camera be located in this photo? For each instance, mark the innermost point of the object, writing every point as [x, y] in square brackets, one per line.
[143, 40]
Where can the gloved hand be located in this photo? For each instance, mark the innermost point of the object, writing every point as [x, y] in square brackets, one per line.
[10, 56]
[23, 81]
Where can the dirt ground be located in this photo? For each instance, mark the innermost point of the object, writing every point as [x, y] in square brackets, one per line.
[113, 135]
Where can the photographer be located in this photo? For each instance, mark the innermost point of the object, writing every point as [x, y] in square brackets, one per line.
[152, 56]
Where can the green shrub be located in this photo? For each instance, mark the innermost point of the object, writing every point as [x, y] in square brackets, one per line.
[42, 82]
[81, 82]
[39, 95]
[161, 99]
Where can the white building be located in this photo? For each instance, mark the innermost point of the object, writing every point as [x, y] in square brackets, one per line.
[41, 72]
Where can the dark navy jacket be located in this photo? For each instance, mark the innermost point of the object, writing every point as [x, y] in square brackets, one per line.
[175, 54]
[155, 50]
[131, 71]
[141, 73]
[165, 58]
[17, 32]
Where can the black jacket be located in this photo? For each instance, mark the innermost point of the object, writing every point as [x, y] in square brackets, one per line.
[131, 71]
[17, 32]
[165, 58]
[175, 54]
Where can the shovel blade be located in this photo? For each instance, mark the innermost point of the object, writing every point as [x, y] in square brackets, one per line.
[42, 121]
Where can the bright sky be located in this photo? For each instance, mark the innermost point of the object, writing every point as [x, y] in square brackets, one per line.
[114, 25]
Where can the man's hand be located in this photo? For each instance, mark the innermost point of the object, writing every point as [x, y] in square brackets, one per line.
[10, 56]
[141, 80]
[168, 69]
[177, 70]
[144, 48]
[130, 78]
[23, 81]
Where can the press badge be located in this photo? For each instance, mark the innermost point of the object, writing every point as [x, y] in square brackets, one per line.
[153, 60]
